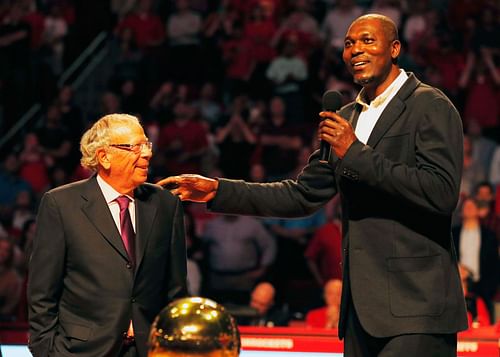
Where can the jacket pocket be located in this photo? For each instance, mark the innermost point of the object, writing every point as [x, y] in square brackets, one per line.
[416, 286]
[76, 331]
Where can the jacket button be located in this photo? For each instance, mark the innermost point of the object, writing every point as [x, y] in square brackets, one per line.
[129, 266]
[133, 300]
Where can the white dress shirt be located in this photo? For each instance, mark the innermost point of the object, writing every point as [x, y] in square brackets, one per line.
[371, 112]
[110, 195]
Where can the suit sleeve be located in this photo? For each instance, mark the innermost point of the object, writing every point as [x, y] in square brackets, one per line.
[45, 280]
[434, 182]
[178, 261]
[289, 198]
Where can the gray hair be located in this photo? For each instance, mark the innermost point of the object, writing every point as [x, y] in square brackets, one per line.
[98, 136]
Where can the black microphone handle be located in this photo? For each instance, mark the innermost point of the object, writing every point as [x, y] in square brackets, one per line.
[324, 152]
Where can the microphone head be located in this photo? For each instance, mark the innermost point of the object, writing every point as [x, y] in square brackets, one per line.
[332, 100]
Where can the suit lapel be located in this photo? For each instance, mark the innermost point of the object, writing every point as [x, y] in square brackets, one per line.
[97, 211]
[145, 213]
[389, 116]
[393, 110]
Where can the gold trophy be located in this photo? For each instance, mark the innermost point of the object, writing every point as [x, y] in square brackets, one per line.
[194, 327]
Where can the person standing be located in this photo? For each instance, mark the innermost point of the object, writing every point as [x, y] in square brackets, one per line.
[109, 251]
[396, 163]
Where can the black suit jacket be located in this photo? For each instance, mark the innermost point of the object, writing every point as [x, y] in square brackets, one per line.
[82, 291]
[398, 193]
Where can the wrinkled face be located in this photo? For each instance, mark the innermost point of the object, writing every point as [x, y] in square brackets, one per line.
[369, 53]
[127, 168]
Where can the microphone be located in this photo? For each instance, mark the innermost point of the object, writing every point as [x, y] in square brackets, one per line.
[332, 101]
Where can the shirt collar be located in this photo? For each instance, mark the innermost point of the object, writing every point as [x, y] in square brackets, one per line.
[387, 94]
[110, 194]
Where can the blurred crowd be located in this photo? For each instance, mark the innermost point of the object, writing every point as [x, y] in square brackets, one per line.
[233, 88]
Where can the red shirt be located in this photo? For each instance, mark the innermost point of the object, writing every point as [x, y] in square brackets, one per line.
[147, 28]
[192, 137]
[325, 248]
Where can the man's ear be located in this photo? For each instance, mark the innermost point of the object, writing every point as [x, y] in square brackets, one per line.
[103, 158]
[395, 49]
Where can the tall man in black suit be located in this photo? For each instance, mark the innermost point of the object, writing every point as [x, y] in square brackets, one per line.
[397, 166]
[101, 271]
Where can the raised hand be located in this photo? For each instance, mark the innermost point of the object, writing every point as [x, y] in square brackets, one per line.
[189, 187]
[337, 131]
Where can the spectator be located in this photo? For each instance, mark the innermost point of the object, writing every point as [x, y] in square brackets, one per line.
[34, 163]
[121, 8]
[287, 72]
[484, 194]
[477, 250]
[280, 142]
[483, 147]
[55, 138]
[183, 141]
[324, 253]
[10, 184]
[71, 115]
[337, 21]
[239, 63]
[416, 23]
[240, 252]
[10, 282]
[23, 211]
[55, 32]
[236, 143]
[269, 314]
[208, 106]
[389, 8]
[477, 311]
[146, 27]
[301, 25]
[184, 28]
[162, 102]
[260, 29]
[130, 57]
[327, 316]
[494, 174]
[473, 173]
[479, 81]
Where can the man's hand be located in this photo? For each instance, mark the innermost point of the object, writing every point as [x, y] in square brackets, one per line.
[195, 188]
[336, 131]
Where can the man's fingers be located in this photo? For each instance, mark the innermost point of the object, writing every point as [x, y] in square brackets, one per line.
[168, 181]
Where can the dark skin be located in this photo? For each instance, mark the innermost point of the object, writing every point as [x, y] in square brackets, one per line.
[369, 54]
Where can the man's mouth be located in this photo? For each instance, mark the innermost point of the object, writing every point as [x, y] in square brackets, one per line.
[359, 64]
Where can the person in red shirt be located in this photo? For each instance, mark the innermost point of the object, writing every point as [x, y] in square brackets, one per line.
[327, 316]
[183, 141]
[147, 27]
[323, 253]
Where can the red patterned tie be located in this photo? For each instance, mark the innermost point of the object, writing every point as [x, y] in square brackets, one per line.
[127, 230]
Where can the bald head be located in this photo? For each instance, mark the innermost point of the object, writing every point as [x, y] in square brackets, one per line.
[262, 297]
[389, 27]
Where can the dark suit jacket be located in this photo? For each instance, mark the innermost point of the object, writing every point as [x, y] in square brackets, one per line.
[82, 291]
[487, 285]
[398, 193]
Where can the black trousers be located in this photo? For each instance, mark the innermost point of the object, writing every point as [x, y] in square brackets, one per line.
[358, 343]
